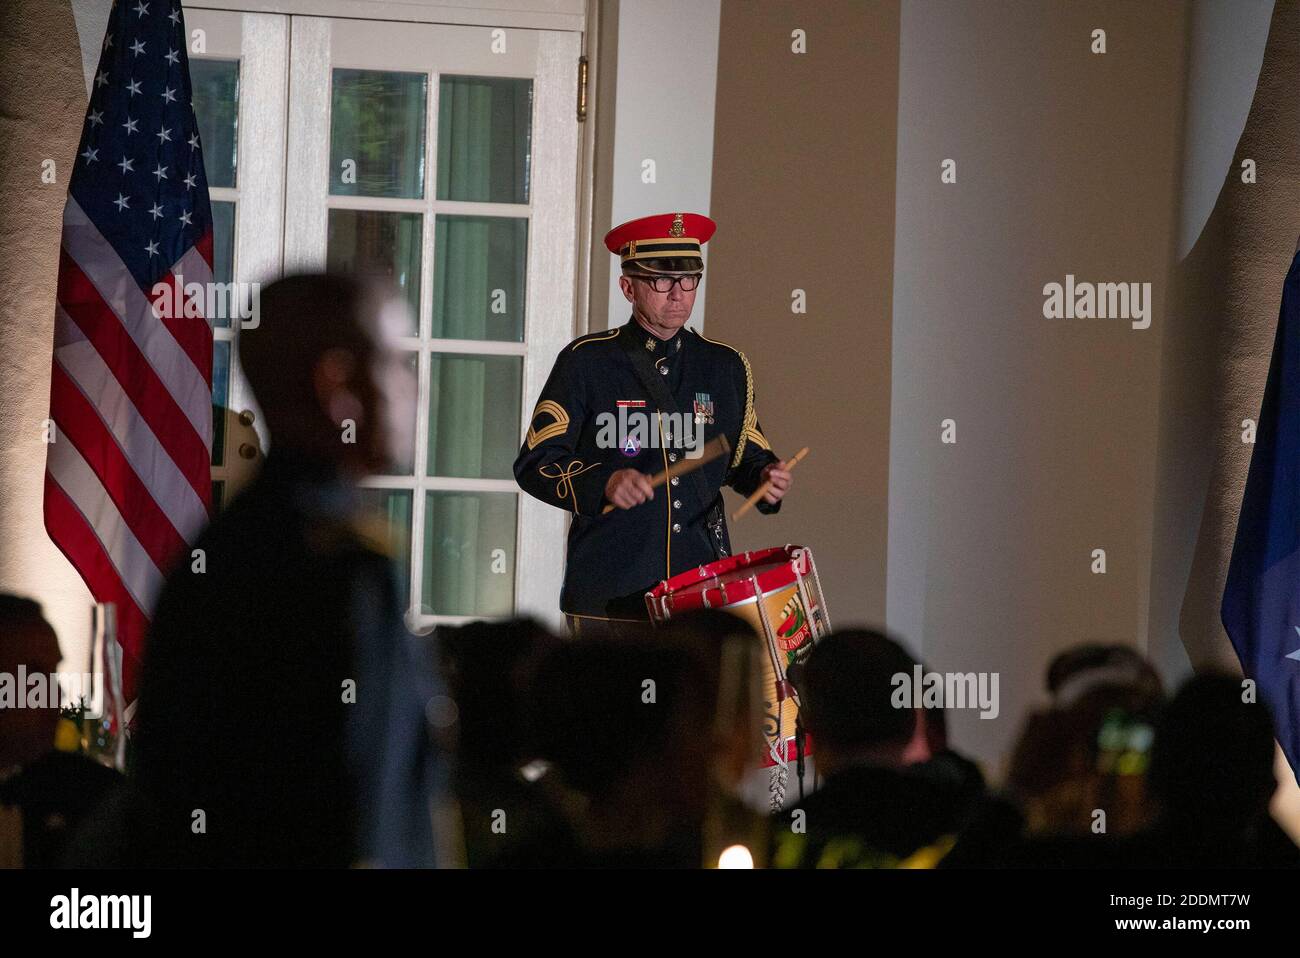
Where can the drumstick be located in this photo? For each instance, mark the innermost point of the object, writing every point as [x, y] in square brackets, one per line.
[762, 490]
[715, 447]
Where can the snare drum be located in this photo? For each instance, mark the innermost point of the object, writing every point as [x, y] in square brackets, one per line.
[778, 593]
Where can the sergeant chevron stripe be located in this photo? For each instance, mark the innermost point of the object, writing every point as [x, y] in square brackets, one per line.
[558, 426]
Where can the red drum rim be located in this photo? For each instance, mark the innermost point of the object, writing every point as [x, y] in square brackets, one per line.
[691, 590]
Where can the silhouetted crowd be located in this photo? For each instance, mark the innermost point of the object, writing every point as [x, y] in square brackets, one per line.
[559, 744]
[643, 750]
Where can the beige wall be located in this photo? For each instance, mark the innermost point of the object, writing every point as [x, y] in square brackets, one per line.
[803, 193]
[1067, 162]
[42, 105]
[663, 63]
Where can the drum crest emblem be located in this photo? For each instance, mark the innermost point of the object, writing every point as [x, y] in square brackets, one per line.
[793, 631]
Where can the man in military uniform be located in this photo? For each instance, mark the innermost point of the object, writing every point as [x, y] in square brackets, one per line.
[669, 390]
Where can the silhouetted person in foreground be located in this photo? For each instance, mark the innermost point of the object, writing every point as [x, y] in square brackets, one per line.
[943, 764]
[502, 791]
[875, 809]
[1078, 771]
[1211, 775]
[1080, 669]
[282, 707]
[45, 791]
[649, 732]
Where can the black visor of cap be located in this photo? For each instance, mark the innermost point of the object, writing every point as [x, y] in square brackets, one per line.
[676, 264]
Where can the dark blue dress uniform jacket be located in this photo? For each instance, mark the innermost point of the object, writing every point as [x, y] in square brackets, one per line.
[614, 559]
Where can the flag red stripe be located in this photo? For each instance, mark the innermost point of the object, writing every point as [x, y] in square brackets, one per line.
[78, 422]
[192, 334]
[157, 407]
[205, 247]
[69, 530]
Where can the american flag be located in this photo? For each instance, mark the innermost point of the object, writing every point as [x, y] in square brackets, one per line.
[127, 482]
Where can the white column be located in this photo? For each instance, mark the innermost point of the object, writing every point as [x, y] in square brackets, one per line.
[667, 81]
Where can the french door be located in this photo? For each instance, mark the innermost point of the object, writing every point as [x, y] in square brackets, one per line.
[443, 158]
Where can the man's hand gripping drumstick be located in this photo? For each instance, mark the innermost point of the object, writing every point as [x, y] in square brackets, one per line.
[776, 482]
[631, 487]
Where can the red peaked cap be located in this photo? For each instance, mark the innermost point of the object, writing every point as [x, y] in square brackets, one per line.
[662, 236]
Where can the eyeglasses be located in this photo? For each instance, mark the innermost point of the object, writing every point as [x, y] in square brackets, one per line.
[662, 284]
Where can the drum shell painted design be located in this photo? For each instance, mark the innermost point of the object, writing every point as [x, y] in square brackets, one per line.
[787, 614]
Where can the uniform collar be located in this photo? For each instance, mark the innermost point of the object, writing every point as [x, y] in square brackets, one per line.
[651, 343]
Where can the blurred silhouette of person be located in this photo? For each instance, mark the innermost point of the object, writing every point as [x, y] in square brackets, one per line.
[732, 655]
[943, 764]
[1079, 669]
[502, 789]
[47, 791]
[1084, 754]
[873, 809]
[1211, 775]
[647, 732]
[282, 711]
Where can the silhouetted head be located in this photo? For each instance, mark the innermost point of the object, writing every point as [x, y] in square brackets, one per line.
[710, 625]
[613, 711]
[730, 656]
[1077, 671]
[26, 639]
[1212, 761]
[489, 667]
[847, 696]
[325, 366]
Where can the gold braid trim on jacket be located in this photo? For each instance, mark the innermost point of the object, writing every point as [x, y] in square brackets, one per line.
[750, 420]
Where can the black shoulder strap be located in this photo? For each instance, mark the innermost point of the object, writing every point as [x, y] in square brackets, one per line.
[663, 398]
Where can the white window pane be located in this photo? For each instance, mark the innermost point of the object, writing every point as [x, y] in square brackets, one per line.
[474, 404]
[215, 84]
[377, 133]
[382, 245]
[469, 553]
[479, 278]
[220, 398]
[485, 132]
